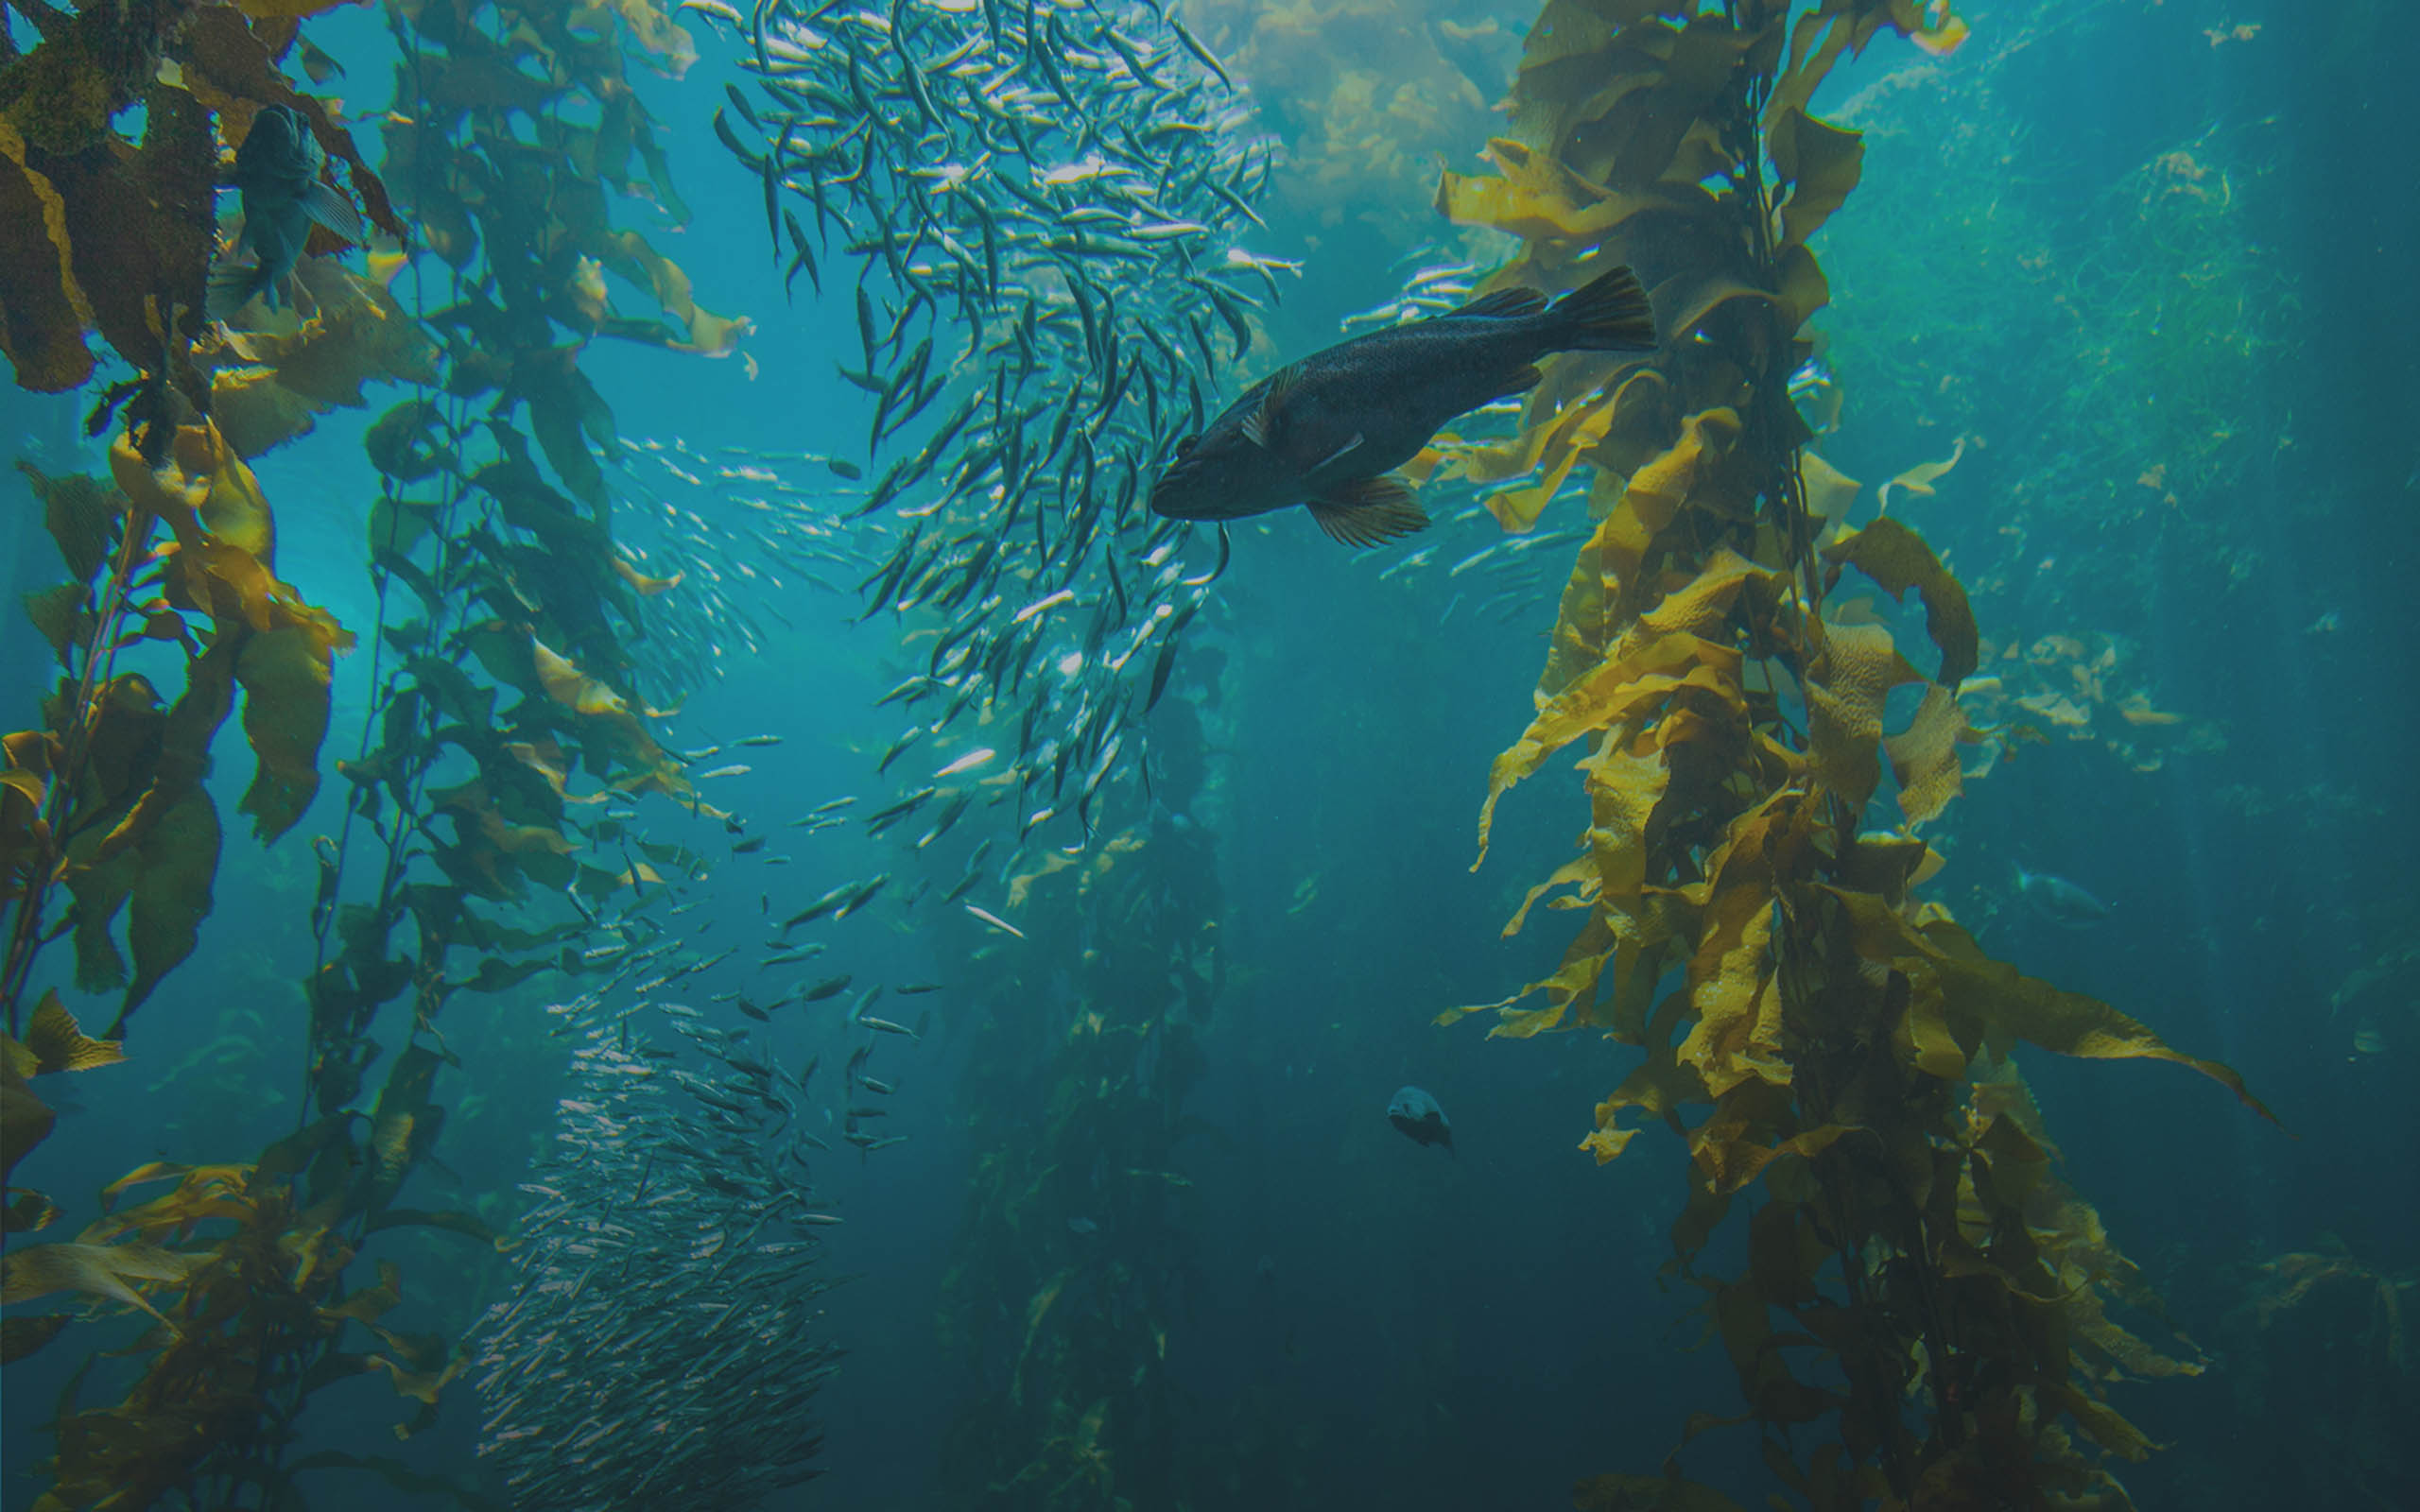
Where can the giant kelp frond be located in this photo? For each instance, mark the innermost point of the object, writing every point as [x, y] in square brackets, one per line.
[105, 799]
[1826, 1041]
[514, 636]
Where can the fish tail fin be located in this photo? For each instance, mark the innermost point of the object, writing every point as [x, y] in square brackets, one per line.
[231, 287]
[1608, 312]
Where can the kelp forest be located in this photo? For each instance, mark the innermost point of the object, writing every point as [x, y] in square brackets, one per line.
[611, 904]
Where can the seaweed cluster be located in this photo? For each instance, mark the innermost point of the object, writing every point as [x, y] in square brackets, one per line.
[513, 647]
[2113, 349]
[1820, 1036]
[506, 655]
[1069, 1263]
[177, 550]
[2076, 688]
[242, 1269]
[2320, 1363]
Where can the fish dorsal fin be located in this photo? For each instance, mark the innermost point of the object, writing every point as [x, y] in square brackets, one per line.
[1338, 455]
[1260, 426]
[331, 208]
[1367, 511]
[1503, 304]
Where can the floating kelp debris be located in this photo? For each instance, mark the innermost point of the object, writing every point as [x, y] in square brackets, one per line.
[660, 1343]
[2077, 687]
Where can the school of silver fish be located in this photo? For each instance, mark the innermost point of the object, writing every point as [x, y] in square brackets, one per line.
[1041, 201]
[662, 1336]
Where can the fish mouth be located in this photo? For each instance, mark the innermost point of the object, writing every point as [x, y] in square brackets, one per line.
[1175, 498]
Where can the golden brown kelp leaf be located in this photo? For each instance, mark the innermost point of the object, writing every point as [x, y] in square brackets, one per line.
[42, 310]
[255, 412]
[111, 1271]
[1821, 164]
[1924, 757]
[629, 253]
[1990, 1001]
[1615, 585]
[1533, 196]
[1578, 430]
[81, 514]
[1630, 134]
[176, 865]
[62, 618]
[1920, 479]
[403, 442]
[285, 675]
[1733, 988]
[286, 9]
[271, 383]
[22, 1336]
[25, 759]
[225, 541]
[491, 852]
[26, 1213]
[142, 227]
[1830, 491]
[59, 1043]
[1854, 670]
[1623, 688]
[669, 49]
[175, 769]
[404, 1124]
[566, 414]
[1822, 34]
[26, 1120]
[1897, 557]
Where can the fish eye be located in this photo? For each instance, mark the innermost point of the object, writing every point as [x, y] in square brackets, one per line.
[1184, 445]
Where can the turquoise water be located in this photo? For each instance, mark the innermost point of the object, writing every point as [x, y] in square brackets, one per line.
[1147, 1238]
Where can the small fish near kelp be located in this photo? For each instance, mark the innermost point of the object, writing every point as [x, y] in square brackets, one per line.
[277, 174]
[1329, 431]
[2060, 901]
[1420, 1119]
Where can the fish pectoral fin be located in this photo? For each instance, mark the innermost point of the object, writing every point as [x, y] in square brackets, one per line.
[1338, 455]
[1260, 426]
[330, 208]
[1367, 511]
[1503, 304]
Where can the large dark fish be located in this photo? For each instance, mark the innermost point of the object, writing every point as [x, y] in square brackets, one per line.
[1417, 1115]
[1329, 430]
[277, 170]
[2060, 901]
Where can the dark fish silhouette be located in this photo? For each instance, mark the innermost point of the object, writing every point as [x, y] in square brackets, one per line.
[277, 170]
[1328, 430]
[2060, 901]
[1417, 1115]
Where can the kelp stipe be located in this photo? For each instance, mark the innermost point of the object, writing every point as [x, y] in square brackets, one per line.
[1070, 1263]
[1835, 1038]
